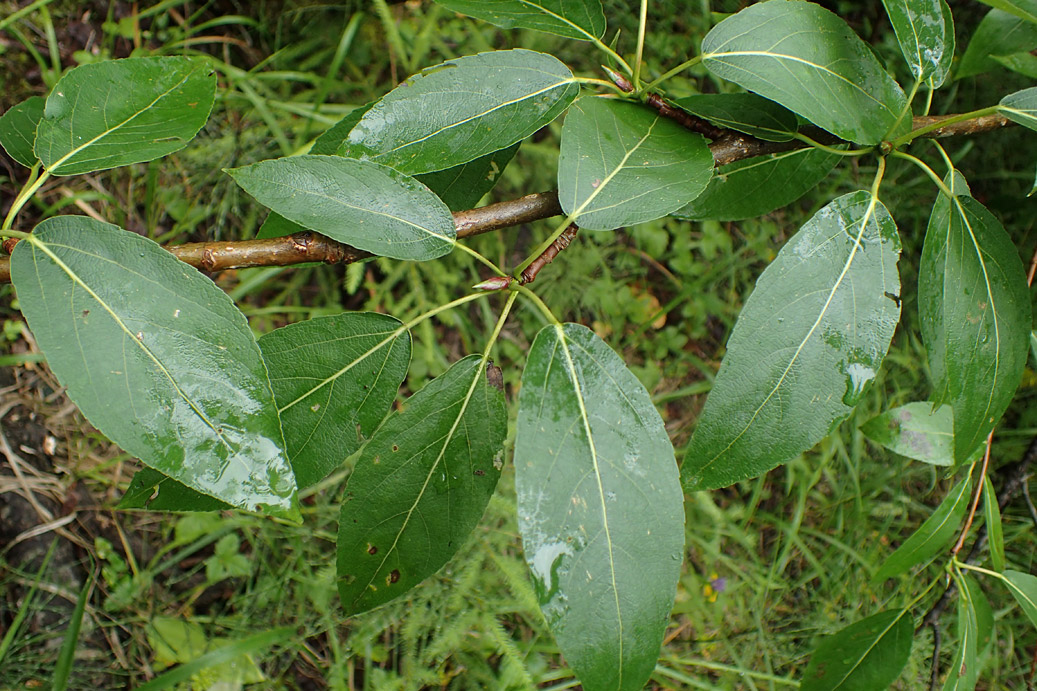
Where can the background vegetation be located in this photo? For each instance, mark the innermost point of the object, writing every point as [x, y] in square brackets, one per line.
[772, 563]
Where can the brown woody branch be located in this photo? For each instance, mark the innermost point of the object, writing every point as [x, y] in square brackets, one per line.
[305, 247]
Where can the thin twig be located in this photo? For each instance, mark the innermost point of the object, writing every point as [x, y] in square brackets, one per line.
[311, 247]
[975, 499]
[529, 274]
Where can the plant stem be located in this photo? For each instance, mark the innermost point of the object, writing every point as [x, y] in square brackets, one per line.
[613, 54]
[640, 44]
[799, 136]
[944, 122]
[878, 178]
[926, 169]
[907, 106]
[535, 299]
[599, 82]
[676, 70]
[465, 248]
[15, 16]
[23, 197]
[543, 246]
[13, 234]
[975, 500]
[497, 328]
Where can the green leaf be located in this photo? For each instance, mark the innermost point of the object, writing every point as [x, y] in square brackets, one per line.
[809, 339]
[992, 515]
[364, 204]
[748, 113]
[328, 142]
[1021, 107]
[1023, 587]
[1024, 9]
[420, 486]
[981, 607]
[756, 186]
[580, 19]
[109, 114]
[277, 226]
[461, 187]
[599, 505]
[157, 358]
[975, 315]
[463, 109]
[999, 33]
[622, 164]
[932, 536]
[965, 664]
[867, 655]
[808, 60]
[151, 490]
[334, 380]
[18, 130]
[925, 31]
[1033, 344]
[1020, 63]
[915, 430]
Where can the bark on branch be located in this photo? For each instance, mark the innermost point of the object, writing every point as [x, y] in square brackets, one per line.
[305, 247]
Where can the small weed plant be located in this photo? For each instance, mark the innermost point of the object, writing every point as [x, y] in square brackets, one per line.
[161, 360]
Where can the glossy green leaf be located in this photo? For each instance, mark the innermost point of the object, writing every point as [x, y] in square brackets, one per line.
[461, 187]
[157, 358]
[580, 19]
[975, 315]
[808, 60]
[151, 490]
[748, 113]
[992, 516]
[463, 109]
[756, 186]
[809, 339]
[998, 33]
[622, 164]
[915, 430]
[599, 505]
[334, 379]
[18, 130]
[108, 114]
[867, 655]
[328, 143]
[1024, 9]
[1023, 587]
[420, 486]
[364, 204]
[964, 666]
[1021, 107]
[932, 536]
[922, 27]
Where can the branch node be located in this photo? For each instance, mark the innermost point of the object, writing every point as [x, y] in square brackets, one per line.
[529, 274]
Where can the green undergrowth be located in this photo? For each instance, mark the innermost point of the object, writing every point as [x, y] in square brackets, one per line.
[772, 563]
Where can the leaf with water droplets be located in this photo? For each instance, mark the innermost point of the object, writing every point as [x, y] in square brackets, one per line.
[974, 311]
[925, 31]
[420, 486]
[915, 430]
[600, 507]
[867, 655]
[809, 339]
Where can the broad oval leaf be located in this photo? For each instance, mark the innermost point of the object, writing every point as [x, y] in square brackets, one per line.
[756, 186]
[420, 486]
[1021, 107]
[622, 164]
[1023, 587]
[867, 655]
[328, 143]
[748, 113]
[975, 315]
[992, 518]
[463, 109]
[998, 33]
[157, 358]
[932, 536]
[808, 60]
[334, 379]
[364, 204]
[915, 430]
[18, 130]
[599, 505]
[580, 19]
[109, 114]
[809, 339]
[925, 31]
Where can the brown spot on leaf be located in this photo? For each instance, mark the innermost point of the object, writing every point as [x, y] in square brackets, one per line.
[371, 549]
[394, 576]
